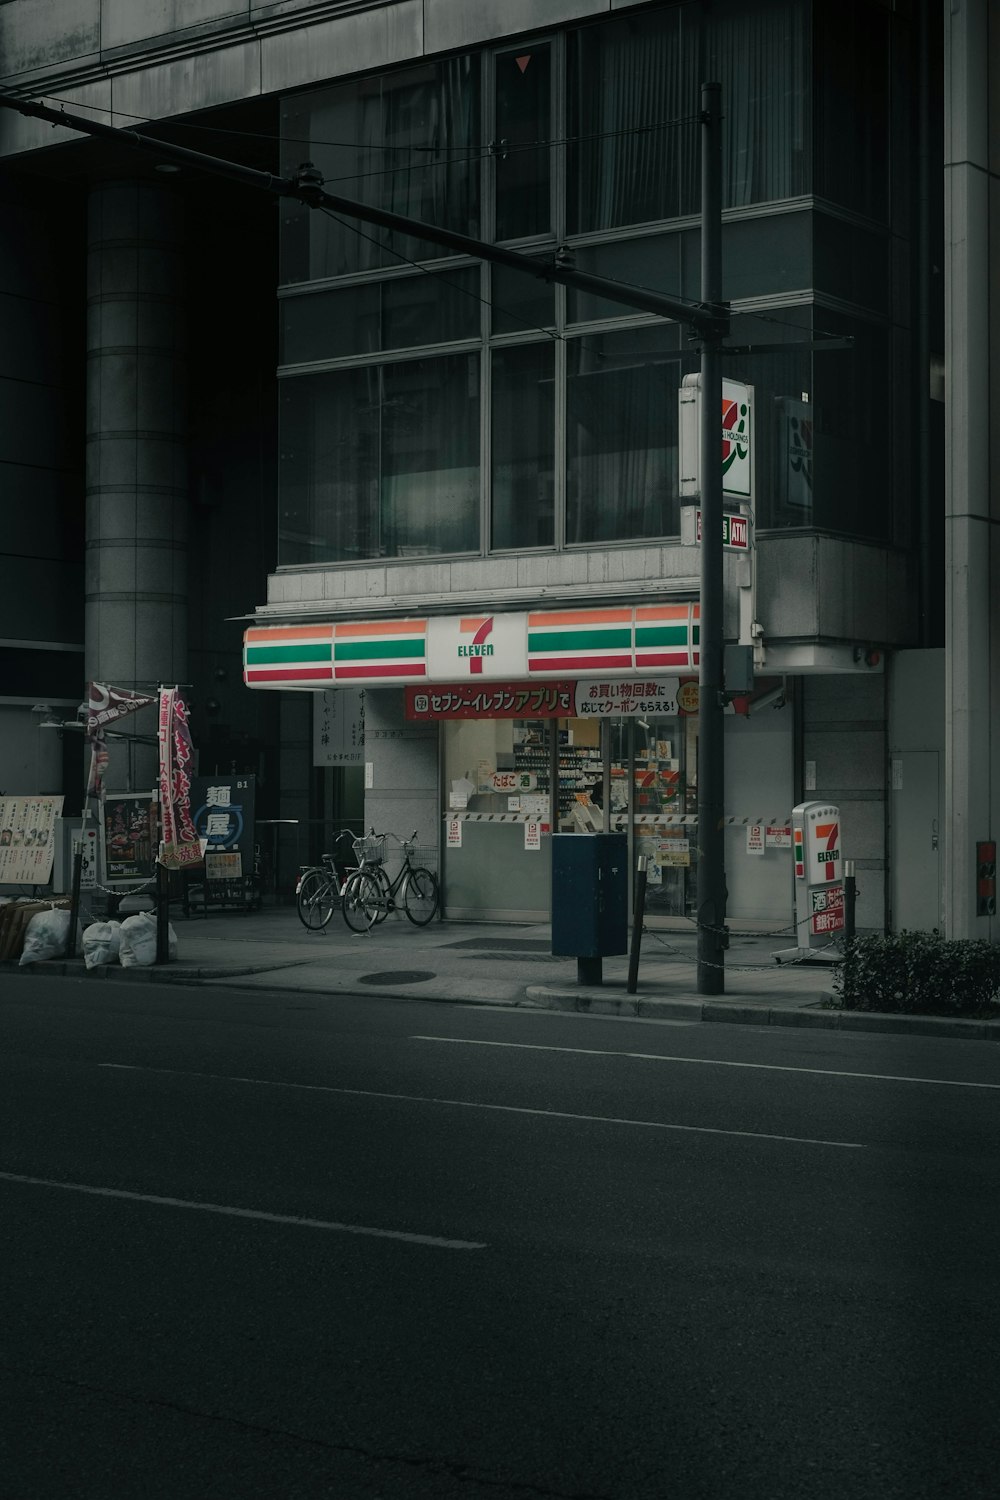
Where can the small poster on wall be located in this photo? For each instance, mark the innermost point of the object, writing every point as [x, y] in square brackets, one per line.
[130, 834]
[339, 727]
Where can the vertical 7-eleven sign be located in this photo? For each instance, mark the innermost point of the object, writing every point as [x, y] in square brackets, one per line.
[816, 843]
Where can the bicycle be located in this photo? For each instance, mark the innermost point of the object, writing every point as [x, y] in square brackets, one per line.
[319, 888]
[369, 895]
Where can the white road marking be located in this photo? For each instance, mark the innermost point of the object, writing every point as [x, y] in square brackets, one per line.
[510, 1109]
[246, 1213]
[708, 1062]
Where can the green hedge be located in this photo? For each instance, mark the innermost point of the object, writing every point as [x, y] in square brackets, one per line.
[919, 973]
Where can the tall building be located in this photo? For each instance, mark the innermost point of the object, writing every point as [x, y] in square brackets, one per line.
[324, 472]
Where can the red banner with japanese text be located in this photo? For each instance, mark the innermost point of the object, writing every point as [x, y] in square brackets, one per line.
[181, 848]
[492, 700]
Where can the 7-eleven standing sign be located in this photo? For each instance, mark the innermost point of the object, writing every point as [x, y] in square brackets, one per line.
[819, 892]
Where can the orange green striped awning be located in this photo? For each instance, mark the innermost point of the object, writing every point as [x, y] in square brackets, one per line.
[625, 640]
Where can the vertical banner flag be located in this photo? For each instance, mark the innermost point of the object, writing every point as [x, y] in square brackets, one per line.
[104, 705]
[181, 848]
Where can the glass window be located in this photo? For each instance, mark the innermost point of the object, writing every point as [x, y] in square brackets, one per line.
[627, 163]
[523, 435]
[407, 141]
[520, 302]
[652, 262]
[784, 412]
[761, 56]
[621, 436]
[823, 423]
[475, 748]
[430, 456]
[380, 462]
[853, 431]
[633, 90]
[328, 467]
[520, 147]
[852, 108]
[664, 784]
[767, 255]
[851, 263]
[399, 314]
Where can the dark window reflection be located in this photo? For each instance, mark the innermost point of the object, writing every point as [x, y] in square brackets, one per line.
[380, 462]
[520, 149]
[522, 427]
[621, 436]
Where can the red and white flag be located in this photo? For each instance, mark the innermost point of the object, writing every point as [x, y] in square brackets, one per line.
[104, 706]
[181, 848]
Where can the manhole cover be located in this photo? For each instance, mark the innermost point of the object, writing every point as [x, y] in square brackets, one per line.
[399, 976]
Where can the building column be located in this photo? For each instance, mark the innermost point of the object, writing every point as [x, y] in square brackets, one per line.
[137, 488]
[971, 509]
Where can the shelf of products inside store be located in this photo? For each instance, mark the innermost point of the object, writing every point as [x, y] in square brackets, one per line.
[658, 782]
[579, 769]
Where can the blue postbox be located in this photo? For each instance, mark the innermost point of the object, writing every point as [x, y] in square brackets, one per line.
[589, 899]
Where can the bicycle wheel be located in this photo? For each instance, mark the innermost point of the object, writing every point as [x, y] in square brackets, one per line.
[420, 896]
[361, 901]
[315, 899]
[381, 880]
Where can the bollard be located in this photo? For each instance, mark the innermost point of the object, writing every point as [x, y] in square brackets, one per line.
[162, 914]
[74, 903]
[637, 918]
[850, 897]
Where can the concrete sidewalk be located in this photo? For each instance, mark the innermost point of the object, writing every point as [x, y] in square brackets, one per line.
[498, 964]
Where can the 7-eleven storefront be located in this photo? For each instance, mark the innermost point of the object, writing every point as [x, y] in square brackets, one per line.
[541, 722]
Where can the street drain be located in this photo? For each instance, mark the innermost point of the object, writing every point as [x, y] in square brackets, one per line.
[400, 976]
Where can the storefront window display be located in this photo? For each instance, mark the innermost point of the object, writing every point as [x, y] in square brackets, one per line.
[664, 810]
[498, 780]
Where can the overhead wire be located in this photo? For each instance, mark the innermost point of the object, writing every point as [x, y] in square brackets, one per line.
[475, 154]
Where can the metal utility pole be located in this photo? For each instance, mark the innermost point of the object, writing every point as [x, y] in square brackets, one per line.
[711, 894]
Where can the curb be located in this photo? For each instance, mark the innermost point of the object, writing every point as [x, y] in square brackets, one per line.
[69, 968]
[733, 1013]
[578, 1002]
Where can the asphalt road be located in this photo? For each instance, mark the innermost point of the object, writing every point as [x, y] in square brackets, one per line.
[290, 1246]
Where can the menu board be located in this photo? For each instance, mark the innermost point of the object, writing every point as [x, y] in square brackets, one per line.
[27, 839]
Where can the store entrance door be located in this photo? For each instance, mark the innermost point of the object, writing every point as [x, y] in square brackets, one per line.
[662, 785]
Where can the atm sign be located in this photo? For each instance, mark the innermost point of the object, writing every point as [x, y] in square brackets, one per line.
[735, 531]
[828, 910]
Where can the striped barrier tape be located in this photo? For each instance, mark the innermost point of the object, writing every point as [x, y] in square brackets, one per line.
[640, 820]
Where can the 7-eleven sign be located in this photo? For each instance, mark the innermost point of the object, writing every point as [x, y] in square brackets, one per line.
[821, 856]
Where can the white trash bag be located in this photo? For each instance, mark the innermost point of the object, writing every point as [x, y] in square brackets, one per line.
[101, 943]
[45, 937]
[138, 941]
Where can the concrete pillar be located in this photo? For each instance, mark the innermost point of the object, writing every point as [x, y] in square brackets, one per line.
[971, 507]
[137, 490]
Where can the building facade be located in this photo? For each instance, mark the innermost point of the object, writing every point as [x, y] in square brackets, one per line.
[320, 470]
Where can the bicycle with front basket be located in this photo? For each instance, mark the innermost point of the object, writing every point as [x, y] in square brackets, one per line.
[319, 888]
[369, 895]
